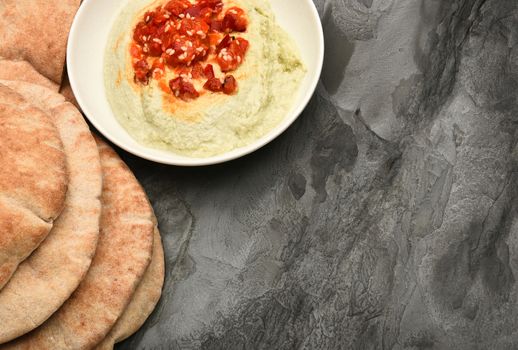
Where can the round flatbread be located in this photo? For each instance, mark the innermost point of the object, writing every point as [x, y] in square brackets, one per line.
[123, 255]
[36, 31]
[23, 71]
[144, 301]
[33, 179]
[44, 281]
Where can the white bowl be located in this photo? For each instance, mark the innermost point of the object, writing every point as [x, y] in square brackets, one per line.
[85, 54]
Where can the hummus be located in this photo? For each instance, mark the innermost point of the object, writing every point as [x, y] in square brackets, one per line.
[268, 80]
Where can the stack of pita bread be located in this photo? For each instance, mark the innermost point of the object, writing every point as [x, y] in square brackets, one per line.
[81, 259]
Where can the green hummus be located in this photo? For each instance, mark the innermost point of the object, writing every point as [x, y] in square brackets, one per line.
[213, 124]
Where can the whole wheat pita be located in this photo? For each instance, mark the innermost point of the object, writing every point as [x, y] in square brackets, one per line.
[36, 31]
[23, 71]
[144, 300]
[122, 256]
[48, 277]
[33, 179]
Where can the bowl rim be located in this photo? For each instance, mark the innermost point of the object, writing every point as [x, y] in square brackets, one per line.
[192, 161]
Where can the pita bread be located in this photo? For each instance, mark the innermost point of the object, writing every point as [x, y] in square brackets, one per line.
[23, 71]
[144, 301]
[33, 179]
[44, 281]
[36, 31]
[122, 256]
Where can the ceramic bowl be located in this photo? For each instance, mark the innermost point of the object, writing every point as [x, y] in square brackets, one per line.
[85, 55]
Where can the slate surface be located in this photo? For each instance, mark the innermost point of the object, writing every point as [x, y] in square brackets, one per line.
[386, 217]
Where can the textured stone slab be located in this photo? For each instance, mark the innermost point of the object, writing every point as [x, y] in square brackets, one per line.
[385, 218]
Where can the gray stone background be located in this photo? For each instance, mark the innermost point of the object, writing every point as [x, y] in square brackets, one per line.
[386, 217]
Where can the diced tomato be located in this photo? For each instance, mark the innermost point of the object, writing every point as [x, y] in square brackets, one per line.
[135, 51]
[197, 71]
[154, 49]
[181, 52]
[216, 25]
[230, 85]
[193, 28]
[235, 20]
[142, 71]
[160, 17]
[214, 5]
[240, 45]
[158, 69]
[208, 72]
[148, 16]
[195, 11]
[184, 35]
[213, 84]
[231, 55]
[142, 32]
[183, 89]
[177, 7]
[225, 42]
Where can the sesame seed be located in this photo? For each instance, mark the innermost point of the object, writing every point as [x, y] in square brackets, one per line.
[183, 56]
[200, 32]
[166, 15]
[234, 12]
[170, 52]
[167, 27]
[178, 26]
[158, 41]
[199, 49]
[148, 18]
[189, 43]
[177, 93]
[189, 32]
[181, 15]
[184, 48]
[238, 59]
[188, 16]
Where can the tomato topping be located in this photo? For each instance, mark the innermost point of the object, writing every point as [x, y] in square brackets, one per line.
[230, 85]
[231, 53]
[154, 48]
[208, 72]
[177, 7]
[216, 5]
[197, 71]
[141, 71]
[182, 37]
[225, 42]
[135, 51]
[183, 89]
[235, 20]
[158, 69]
[214, 85]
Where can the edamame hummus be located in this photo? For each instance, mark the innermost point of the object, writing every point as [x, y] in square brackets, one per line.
[200, 77]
